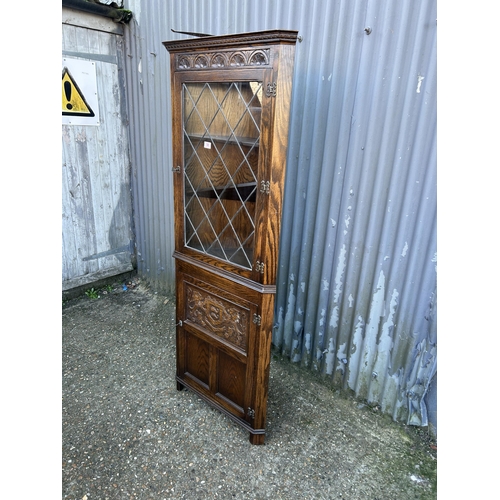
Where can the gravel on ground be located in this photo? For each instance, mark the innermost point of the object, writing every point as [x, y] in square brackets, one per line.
[128, 433]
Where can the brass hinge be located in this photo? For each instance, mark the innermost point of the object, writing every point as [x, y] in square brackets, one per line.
[265, 186]
[256, 319]
[271, 89]
[251, 413]
[259, 267]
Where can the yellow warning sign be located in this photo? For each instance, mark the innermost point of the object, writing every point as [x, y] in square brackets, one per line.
[73, 101]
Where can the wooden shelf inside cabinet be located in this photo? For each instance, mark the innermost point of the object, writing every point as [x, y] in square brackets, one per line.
[224, 139]
[245, 192]
[230, 113]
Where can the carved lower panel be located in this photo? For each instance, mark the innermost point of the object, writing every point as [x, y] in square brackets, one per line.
[223, 59]
[218, 316]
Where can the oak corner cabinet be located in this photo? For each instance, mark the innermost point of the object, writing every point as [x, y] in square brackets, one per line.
[230, 113]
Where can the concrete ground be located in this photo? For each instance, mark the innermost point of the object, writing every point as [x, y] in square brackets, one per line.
[127, 433]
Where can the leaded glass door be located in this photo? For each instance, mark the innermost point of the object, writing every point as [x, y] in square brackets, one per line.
[221, 125]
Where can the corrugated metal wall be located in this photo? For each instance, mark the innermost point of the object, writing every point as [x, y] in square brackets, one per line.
[356, 297]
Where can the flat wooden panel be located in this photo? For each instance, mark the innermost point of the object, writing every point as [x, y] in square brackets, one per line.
[197, 358]
[261, 361]
[231, 379]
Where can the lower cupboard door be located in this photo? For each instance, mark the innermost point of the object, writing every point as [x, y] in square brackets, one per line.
[215, 346]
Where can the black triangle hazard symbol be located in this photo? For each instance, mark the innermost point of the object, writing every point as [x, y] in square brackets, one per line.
[73, 101]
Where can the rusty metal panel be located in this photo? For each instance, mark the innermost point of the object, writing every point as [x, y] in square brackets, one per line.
[356, 291]
[97, 232]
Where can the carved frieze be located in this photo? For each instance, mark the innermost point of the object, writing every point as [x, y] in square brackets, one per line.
[218, 316]
[223, 59]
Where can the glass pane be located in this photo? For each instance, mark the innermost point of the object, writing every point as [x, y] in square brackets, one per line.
[221, 126]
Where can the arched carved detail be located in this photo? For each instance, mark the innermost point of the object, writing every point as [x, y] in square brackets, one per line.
[183, 62]
[259, 58]
[238, 59]
[218, 60]
[201, 61]
[224, 59]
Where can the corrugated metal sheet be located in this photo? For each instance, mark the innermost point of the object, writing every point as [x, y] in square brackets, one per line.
[97, 231]
[356, 297]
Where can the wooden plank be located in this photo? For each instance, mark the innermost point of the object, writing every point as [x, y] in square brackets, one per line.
[86, 20]
[97, 207]
[97, 276]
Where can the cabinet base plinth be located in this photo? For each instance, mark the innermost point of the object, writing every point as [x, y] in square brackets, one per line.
[257, 436]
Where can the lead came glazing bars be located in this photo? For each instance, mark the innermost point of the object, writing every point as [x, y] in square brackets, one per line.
[232, 153]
